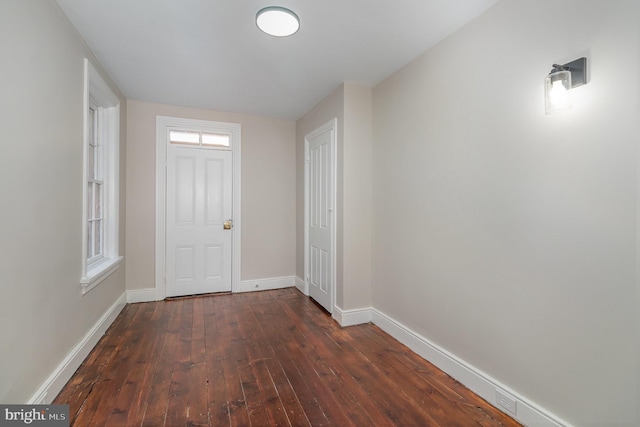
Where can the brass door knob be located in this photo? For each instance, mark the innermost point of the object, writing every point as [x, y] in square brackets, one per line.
[227, 224]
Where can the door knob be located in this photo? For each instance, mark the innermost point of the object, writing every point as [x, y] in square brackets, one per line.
[227, 224]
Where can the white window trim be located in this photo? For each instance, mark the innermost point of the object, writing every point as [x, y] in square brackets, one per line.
[97, 93]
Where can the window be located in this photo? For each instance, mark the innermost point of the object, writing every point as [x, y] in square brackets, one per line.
[100, 256]
[95, 195]
[199, 138]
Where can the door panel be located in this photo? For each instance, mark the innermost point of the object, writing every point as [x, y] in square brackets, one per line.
[214, 255]
[214, 172]
[199, 191]
[185, 263]
[185, 191]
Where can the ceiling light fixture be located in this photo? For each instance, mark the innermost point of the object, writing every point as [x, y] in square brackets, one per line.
[559, 81]
[277, 21]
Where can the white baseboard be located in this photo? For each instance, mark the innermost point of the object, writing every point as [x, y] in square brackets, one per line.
[150, 294]
[141, 295]
[527, 412]
[59, 377]
[266, 284]
[301, 285]
[352, 317]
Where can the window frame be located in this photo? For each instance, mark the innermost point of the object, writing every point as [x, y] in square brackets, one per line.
[201, 136]
[99, 97]
[95, 185]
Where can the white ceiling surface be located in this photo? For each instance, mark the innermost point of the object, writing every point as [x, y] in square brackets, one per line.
[210, 54]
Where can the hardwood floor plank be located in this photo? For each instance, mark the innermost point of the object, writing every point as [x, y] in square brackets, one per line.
[129, 385]
[187, 397]
[217, 391]
[330, 414]
[155, 408]
[81, 384]
[339, 403]
[150, 362]
[258, 353]
[291, 363]
[352, 408]
[198, 348]
[250, 375]
[270, 358]
[420, 391]
[131, 399]
[452, 389]
[237, 406]
[184, 360]
[359, 375]
[77, 390]
[264, 314]
[98, 404]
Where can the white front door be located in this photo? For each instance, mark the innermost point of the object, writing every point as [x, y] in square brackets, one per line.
[320, 190]
[199, 203]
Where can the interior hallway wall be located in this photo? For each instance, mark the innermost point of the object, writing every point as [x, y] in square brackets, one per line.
[268, 191]
[42, 312]
[351, 105]
[514, 244]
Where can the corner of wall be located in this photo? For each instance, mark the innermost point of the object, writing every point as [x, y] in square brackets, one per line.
[65, 370]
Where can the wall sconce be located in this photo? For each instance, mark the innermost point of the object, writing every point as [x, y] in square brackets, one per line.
[559, 81]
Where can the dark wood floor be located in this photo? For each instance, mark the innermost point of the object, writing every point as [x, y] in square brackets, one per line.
[260, 359]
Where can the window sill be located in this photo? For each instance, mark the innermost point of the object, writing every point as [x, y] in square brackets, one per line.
[98, 272]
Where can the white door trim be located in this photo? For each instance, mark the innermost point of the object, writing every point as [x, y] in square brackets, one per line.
[163, 124]
[331, 125]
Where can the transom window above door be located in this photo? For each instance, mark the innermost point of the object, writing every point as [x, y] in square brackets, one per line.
[204, 139]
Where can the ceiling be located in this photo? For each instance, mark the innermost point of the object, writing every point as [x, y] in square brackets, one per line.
[210, 54]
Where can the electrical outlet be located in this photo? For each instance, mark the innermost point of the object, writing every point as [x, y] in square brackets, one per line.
[507, 402]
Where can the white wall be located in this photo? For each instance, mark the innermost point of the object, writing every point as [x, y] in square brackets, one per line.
[357, 196]
[515, 233]
[351, 105]
[268, 191]
[329, 108]
[42, 313]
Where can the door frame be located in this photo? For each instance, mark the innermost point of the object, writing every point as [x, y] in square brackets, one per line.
[163, 125]
[332, 126]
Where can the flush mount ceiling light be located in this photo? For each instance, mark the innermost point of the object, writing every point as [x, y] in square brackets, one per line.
[559, 81]
[277, 21]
